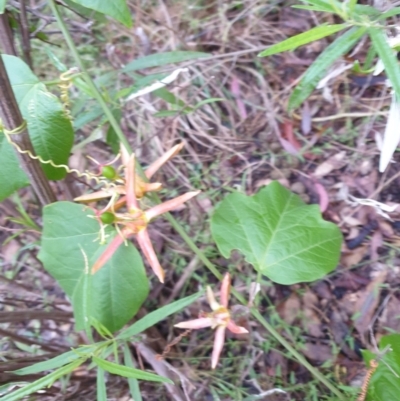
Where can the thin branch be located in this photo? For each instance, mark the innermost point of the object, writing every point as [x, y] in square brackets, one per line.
[26, 43]
[6, 37]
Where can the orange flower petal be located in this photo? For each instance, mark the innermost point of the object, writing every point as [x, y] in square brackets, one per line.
[219, 342]
[110, 250]
[196, 323]
[234, 328]
[151, 170]
[169, 205]
[146, 246]
[225, 290]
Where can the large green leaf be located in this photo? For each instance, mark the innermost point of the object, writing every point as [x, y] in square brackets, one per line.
[160, 59]
[318, 68]
[12, 177]
[311, 35]
[384, 384]
[2, 6]
[116, 9]
[281, 236]
[388, 58]
[117, 290]
[50, 130]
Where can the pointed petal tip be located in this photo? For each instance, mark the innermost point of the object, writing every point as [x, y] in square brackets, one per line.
[194, 324]
[235, 329]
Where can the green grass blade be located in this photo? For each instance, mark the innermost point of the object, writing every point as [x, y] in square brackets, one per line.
[53, 363]
[154, 317]
[126, 371]
[101, 385]
[294, 42]
[160, 59]
[329, 6]
[391, 13]
[42, 382]
[318, 69]
[387, 56]
[133, 383]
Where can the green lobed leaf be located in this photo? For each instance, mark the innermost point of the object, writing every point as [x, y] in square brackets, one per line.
[45, 381]
[388, 58]
[116, 9]
[318, 69]
[50, 130]
[160, 59]
[118, 289]
[384, 385]
[156, 316]
[311, 35]
[126, 371]
[281, 236]
[12, 177]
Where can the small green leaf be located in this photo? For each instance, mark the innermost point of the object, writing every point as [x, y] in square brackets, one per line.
[118, 289]
[311, 35]
[318, 69]
[166, 113]
[388, 58]
[156, 316]
[281, 236]
[2, 6]
[160, 59]
[391, 13]
[315, 8]
[169, 97]
[86, 12]
[116, 9]
[133, 383]
[45, 381]
[210, 100]
[321, 5]
[50, 130]
[126, 371]
[12, 177]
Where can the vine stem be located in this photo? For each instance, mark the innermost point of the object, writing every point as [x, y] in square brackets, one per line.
[96, 93]
[177, 226]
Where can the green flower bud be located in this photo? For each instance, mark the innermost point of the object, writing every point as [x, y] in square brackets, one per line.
[107, 218]
[109, 172]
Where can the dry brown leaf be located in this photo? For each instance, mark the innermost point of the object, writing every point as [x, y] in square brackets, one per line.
[367, 303]
[317, 352]
[332, 163]
[390, 319]
[290, 309]
[352, 258]
[312, 322]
